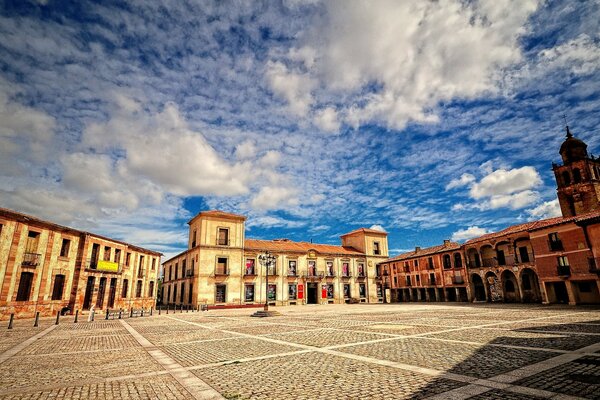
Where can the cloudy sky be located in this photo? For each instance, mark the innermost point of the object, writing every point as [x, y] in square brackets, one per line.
[432, 120]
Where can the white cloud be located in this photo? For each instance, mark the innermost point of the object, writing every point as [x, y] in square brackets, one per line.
[464, 180]
[513, 201]
[469, 233]
[580, 55]
[327, 120]
[275, 198]
[416, 54]
[378, 228]
[245, 150]
[547, 209]
[273, 222]
[504, 182]
[293, 87]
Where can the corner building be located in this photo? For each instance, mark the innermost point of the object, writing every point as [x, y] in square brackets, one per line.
[556, 260]
[221, 267]
[48, 268]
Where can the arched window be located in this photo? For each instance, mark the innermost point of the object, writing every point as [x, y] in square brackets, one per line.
[576, 175]
[447, 263]
[457, 260]
[566, 178]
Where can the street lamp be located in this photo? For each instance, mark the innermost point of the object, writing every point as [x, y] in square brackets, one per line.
[266, 260]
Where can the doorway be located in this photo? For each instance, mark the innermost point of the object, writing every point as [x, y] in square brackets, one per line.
[312, 293]
[89, 291]
[112, 292]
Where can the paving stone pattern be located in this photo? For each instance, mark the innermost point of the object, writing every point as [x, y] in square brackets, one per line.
[396, 351]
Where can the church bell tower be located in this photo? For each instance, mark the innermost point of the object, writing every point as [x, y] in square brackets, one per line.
[578, 178]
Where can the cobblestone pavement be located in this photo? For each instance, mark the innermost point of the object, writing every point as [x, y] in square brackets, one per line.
[396, 351]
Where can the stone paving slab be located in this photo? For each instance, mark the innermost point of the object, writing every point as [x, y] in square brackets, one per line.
[190, 354]
[580, 377]
[504, 395]
[320, 376]
[521, 338]
[326, 337]
[161, 387]
[266, 329]
[465, 359]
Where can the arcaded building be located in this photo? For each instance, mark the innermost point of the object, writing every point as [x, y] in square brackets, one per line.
[555, 260]
[47, 268]
[222, 267]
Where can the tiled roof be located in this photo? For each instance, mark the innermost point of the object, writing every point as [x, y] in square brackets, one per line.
[511, 230]
[298, 247]
[365, 230]
[450, 246]
[218, 214]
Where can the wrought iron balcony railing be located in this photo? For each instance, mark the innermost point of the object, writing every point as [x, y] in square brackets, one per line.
[30, 260]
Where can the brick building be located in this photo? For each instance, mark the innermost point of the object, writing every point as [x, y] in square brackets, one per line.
[556, 260]
[47, 267]
[222, 267]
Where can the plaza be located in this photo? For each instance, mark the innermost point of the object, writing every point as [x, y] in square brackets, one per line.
[378, 351]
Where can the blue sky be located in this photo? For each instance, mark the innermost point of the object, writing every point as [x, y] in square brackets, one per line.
[431, 120]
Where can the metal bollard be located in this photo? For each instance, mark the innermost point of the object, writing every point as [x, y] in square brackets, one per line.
[92, 315]
[120, 312]
[158, 310]
[107, 313]
[36, 323]
[142, 312]
[187, 309]
[131, 313]
[57, 317]
[167, 309]
[181, 308]
[76, 316]
[10, 321]
[150, 311]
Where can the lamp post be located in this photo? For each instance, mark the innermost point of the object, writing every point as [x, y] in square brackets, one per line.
[266, 260]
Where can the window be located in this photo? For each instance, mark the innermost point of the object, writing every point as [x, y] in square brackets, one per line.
[376, 249]
[57, 290]
[312, 268]
[176, 270]
[416, 263]
[554, 242]
[430, 262]
[194, 238]
[345, 269]
[32, 242]
[432, 279]
[249, 293]
[346, 291]
[24, 286]
[330, 292]
[153, 263]
[64, 248]
[138, 289]
[223, 237]
[174, 293]
[183, 268]
[151, 289]
[379, 290]
[221, 266]
[220, 293]
[408, 283]
[457, 260]
[127, 259]
[292, 291]
[576, 175]
[101, 291]
[250, 262]
[117, 257]
[361, 269]
[141, 264]
[106, 253]
[362, 290]
[330, 271]
[418, 279]
[168, 299]
[273, 267]
[523, 254]
[272, 292]
[292, 268]
[563, 261]
[190, 294]
[182, 294]
[125, 288]
[566, 178]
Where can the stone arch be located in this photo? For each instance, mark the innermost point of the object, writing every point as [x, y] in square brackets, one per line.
[494, 287]
[478, 288]
[457, 260]
[510, 287]
[530, 286]
[474, 258]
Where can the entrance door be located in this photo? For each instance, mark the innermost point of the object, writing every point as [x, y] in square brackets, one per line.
[111, 292]
[312, 293]
[560, 289]
[89, 291]
[101, 289]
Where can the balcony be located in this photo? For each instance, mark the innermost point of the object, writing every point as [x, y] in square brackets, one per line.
[292, 274]
[315, 275]
[250, 272]
[30, 260]
[563, 270]
[555, 245]
[594, 265]
[458, 280]
[221, 270]
[222, 242]
[431, 282]
[189, 273]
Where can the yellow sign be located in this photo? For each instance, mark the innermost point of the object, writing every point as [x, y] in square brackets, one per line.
[108, 266]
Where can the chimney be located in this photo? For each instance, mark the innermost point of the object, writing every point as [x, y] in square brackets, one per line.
[446, 242]
[417, 249]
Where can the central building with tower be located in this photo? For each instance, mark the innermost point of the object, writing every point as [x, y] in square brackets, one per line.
[221, 267]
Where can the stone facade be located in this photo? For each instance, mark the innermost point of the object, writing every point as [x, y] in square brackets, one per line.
[222, 267]
[46, 268]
